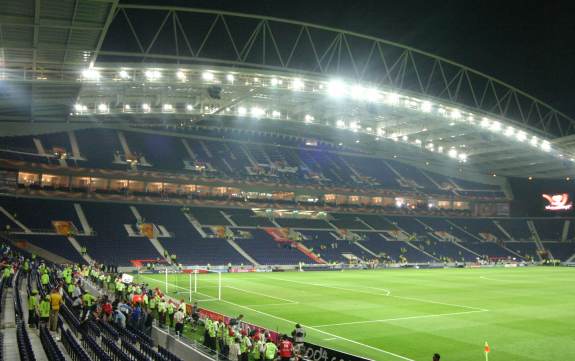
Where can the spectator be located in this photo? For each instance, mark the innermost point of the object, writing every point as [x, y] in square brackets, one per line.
[270, 350]
[178, 318]
[162, 309]
[119, 318]
[436, 357]
[44, 310]
[298, 335]
[285, 349]
[245, 346]
[258, 347]
[88, 302]
[33, 308]
[55, 303]
[234, 353]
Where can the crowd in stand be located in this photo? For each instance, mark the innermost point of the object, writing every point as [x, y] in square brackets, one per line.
[105, 297]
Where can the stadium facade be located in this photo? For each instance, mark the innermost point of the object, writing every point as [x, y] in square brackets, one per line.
[292, 135]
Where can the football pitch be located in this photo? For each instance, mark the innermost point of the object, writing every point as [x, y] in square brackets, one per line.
[524, 313]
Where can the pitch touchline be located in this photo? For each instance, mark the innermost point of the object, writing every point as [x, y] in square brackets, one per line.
[399, 318]
[381, 294]
[294, 322]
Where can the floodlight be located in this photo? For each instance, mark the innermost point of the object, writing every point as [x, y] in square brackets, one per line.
[257, 112]
[103, 108]
[495, 126]
[545, 146]
[521, 136]
[392, 98]
[426, 106]
[340, 124]
[276, 114]
[452, 153]
[124, 74]
[485, 123]
[91, 74]
[308, 118]
[230, 78]
[455, 114]
[189, 107]
[127, 107]
[78, 107]
[509, 131]
[146, 107]
[167, 107]
[152, 74]
[242, 111]
[181, 75]
[336, 88]
[297, 84]
[208, 76]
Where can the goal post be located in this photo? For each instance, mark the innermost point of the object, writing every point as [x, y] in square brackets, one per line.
[193, 285]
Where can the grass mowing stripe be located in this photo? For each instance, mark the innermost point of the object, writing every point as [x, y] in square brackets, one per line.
[398, 318]
[294, 322]
[388, 292]
[261, 294]
[381, 294]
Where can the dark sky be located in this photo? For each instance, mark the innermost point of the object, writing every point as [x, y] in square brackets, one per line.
[528, 44]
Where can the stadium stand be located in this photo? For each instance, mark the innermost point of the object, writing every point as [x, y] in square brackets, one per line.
[247, 159]
[211, 235]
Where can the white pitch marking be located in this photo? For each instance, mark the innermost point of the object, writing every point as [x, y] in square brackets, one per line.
[492, 279]
[398, 318]
[274, 304]
[387, 292]
[330, 339]
[387, 295]
[307, 326]
[261, 294]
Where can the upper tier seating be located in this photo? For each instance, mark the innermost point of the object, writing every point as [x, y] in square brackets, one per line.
[257, 158]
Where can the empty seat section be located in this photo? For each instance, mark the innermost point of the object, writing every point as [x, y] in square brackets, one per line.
[267, 251]
[549, 229]
[57, 245]
[302, 223]
[560, 250]
[113, 244]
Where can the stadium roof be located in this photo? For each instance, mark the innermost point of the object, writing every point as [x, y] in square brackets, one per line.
[93, 61]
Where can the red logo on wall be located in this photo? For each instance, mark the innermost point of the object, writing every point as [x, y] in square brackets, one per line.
[558, 202]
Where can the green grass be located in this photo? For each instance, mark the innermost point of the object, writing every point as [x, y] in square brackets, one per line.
[524, 313]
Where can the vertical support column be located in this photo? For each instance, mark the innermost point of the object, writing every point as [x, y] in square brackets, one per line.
[219, 285]
[190, 288]
[166, 280]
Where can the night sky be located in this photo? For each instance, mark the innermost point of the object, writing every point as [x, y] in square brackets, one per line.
[528, 44]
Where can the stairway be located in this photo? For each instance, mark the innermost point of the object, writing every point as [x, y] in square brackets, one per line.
[535, 237]
[197, 226]
[74, 242]
[241, 251]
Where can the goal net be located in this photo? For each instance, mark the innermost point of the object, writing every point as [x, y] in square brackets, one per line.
[193, 285]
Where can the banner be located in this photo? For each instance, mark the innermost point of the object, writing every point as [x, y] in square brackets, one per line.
[126, 278]
[147, 229]
[317, 353]
[62, 227]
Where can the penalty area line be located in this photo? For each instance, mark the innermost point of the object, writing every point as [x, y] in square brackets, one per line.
[307, 326]
[398, 319]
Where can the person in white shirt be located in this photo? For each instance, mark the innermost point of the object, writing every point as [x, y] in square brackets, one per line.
[179, 317]
[234, 353]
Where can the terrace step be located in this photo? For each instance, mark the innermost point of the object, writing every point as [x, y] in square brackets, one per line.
[241, 251]
[74, 242]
